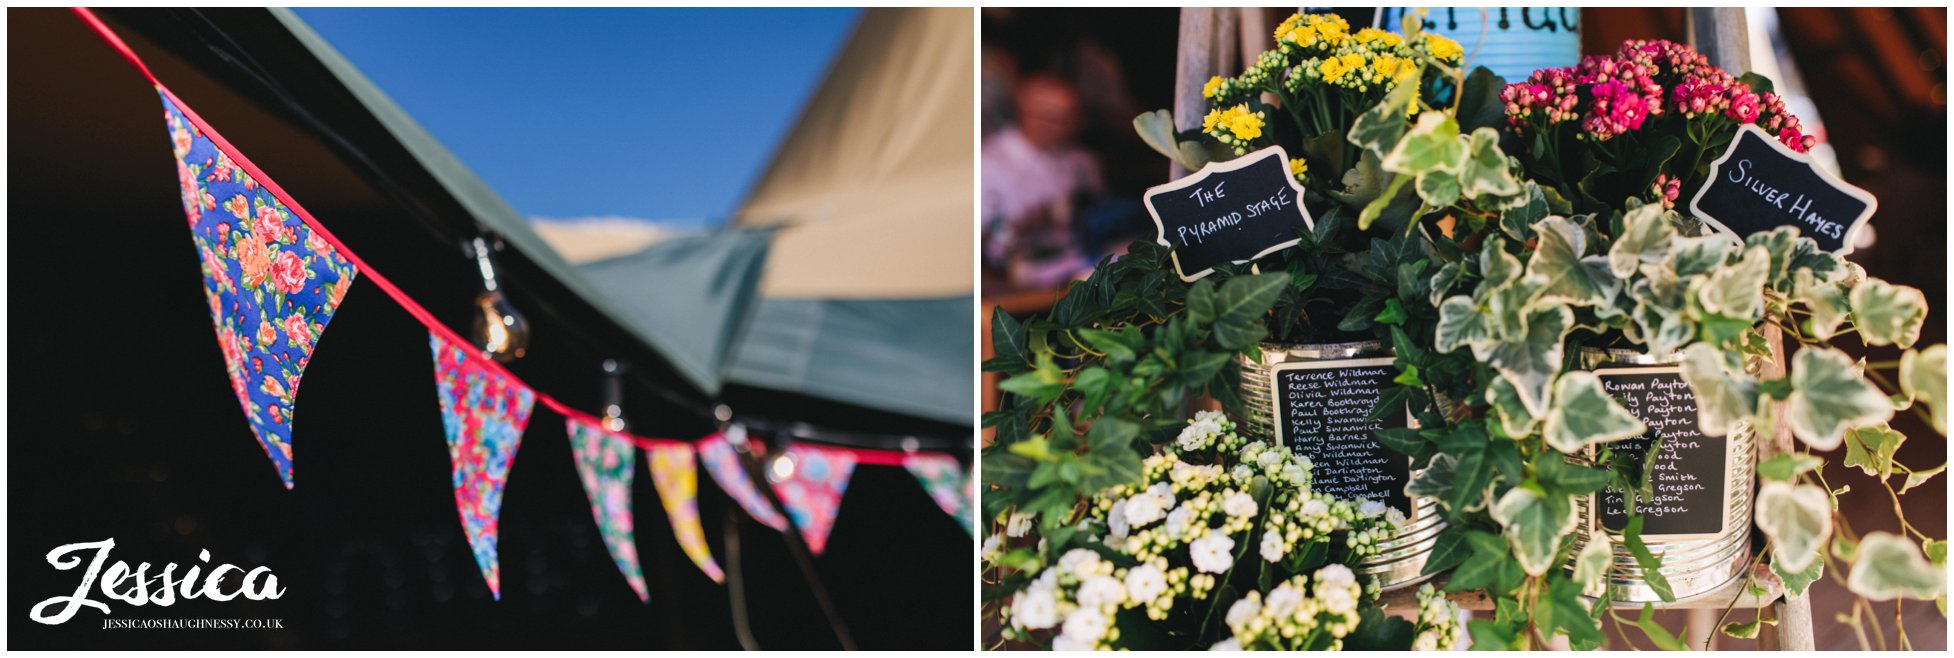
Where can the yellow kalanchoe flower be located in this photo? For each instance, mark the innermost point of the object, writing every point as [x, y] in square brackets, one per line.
[1298, 167]
[1244, 124]
[1443, 48]
[1207, 90]
[1208, 122]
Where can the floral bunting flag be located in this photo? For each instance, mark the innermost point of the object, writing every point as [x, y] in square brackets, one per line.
[723, 464]
[607, 462]
[484, 413]
[947, 484]
[272, 283]
[678, 487]
[812, 490]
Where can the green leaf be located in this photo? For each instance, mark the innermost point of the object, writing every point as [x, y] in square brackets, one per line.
[1797, 518]
[1441, 282]
[1887, 314]
[1923, 378]
[1240, 305]
[1829, 395]
[1450, 549]
[1461, 323]
[1650, 563]
[1485, 173]
[1431, 145]
[1788, 466]
[1562, 610]
[1919, 477]
[1583, 414]
[1557, 475]
[1488, 636]
[1891, 567]
[1725, 396]
[1156, 128]
[1658, 635]
[1118, 346]
[1438, 189]
[1533, 526]
[1518, 221]
[1742, 630]
[1697, 256]
[1646, 237]
[1571, 275]
[1393, 313]
[1871, 449]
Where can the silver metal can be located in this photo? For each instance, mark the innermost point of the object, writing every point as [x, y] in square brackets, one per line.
[1401, 557]
[1694, 562]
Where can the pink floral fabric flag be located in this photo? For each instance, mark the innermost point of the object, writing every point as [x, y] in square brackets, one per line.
[607, 462]
[812, 491]
[946, 482]
[677, 480]
[723, 464]
[484, 413]
[272, 282]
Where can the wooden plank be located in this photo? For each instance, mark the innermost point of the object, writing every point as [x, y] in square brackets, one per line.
[1206, 49]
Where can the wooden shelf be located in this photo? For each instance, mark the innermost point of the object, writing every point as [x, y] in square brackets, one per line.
[1737, 591]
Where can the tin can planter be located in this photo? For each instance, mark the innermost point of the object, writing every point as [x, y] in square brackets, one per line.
[1699, 516]
[1315, 400]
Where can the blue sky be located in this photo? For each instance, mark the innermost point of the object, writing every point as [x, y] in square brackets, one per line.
[661, 114]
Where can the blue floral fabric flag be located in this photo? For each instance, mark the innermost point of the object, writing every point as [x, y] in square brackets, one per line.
[607, 463]
[484, 413]
[948, 484]
[272, 282]
[813, 488]
[723, 464]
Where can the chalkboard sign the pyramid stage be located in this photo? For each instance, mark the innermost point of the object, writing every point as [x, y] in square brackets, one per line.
[1759, 185]
[1229, 212]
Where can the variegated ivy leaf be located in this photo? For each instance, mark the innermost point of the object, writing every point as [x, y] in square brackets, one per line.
[1887, 314]
[1584, 414]
[1591, 565]
[1923, 379]
[1534, 525]
[1725, 396]
[1829, 395]
[1572, 276]
[1530, 364]
[1696, 256]
[1496, 267]
[1663, 330]
[1381, 126]
[1737, 291]
[1871, 449]
[1891, 567]
[1779, 243]
[1431, 145]
[1518, 220]
[1646, 236]
[1443, 280]
[1827, 302]
[1437, 189]
[1461, 323]
[1514, 419]
[1798, 519]
[1486, 173]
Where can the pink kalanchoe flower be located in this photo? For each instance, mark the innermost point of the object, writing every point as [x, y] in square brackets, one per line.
[1743, 106]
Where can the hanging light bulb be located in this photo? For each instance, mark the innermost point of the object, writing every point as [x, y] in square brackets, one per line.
[499, 330]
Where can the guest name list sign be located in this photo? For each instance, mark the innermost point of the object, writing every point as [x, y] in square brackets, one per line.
[1688, 480]
[1322, 411]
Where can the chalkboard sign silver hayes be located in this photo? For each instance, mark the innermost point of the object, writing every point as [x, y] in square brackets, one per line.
[1322, 410]
[1229, 212]
[1760, 184]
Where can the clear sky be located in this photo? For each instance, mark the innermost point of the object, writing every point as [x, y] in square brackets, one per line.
[661, 114]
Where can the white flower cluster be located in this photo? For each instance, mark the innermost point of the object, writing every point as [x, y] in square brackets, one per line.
[1294, 615]
[1209, 429]
[1183, 528]
[1441, 625]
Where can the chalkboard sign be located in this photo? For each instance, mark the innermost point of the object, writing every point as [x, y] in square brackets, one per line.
[1229, 212]
[1322, 411]
[1760, 184]
[1688, 482]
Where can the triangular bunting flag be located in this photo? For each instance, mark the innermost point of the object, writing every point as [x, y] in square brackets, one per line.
[945, 480]
[812, 491]
[484, 413]
[607, 462]
[678, 487]
[272, 283]
[723, 464]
